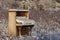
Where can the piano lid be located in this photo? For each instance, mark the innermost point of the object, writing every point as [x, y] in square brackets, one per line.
[18, 10]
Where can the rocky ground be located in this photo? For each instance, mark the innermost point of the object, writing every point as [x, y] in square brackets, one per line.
[47, 26]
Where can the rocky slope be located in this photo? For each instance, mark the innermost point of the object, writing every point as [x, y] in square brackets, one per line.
[31, 4]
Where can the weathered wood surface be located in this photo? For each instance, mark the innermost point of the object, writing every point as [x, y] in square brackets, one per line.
[12, 23]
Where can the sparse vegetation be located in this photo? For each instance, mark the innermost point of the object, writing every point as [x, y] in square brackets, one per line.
[27, 4]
